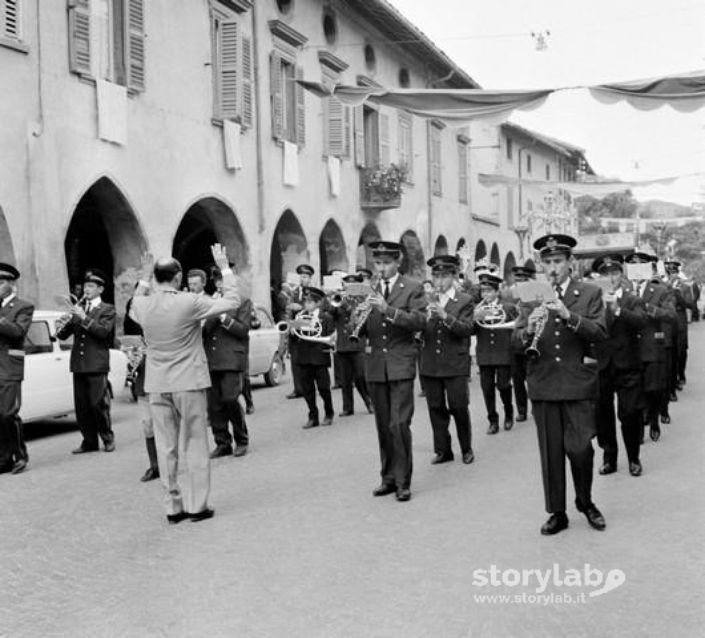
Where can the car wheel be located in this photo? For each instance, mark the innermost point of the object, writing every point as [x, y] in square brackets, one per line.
[274, 375]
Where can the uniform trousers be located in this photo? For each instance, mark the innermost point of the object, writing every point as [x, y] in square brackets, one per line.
[670, 371]
[224, 407]
[352, 371]
[446, 397]
[565, 428]
[12, 445]
[91, 398]
[682, 356]
[626, 384]
[182, 444]
[313, 377]
[393, 402]
[655, 386]
[500, 378]
[519, 382]
[247, 390]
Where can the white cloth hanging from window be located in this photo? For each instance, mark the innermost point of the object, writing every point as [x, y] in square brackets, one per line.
[231, 142]
[334, 175]
[112, 112]
[291, 164]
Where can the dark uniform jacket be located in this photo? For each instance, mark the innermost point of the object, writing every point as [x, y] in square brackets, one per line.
[661, 314]
[15, 319]
[621, 348]
[494, 345]
[227, 342]
[92, 339]
[311, 353]
[566, 369]
[446, 343]
[681, 300]
[343, 328]
[392, 351]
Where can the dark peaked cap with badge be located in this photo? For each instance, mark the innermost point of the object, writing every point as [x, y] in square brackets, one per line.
[672, 264]
[555, 245]
[488, 279]
[305, 269]
[363, 271]
[444, 263]
[382, 248]
[524, 271]
[640, 258]
[93, 275]
[608, 262]
[313, 293]
[8, 271]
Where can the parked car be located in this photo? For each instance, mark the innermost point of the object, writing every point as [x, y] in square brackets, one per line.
[47, 390]
[266, 349]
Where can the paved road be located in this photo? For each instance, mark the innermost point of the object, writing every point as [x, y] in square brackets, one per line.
[300, 548]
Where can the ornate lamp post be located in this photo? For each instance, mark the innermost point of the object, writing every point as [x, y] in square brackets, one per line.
[521, 229]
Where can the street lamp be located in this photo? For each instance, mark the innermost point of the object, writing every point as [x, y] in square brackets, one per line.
[521, 230]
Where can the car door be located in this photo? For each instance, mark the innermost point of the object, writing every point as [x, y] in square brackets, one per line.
[260, 355]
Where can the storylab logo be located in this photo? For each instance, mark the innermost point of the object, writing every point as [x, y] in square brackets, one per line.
[555, 585]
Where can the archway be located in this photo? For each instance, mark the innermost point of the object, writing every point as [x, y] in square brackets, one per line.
[413, 261]
[364, 255]
[205, 223]
[7, 250]
[104, 233]
[529, 263]
[480, 250]
[441, 247]
[509, 263]
[494, 255]
[289, 249]
[331, 248]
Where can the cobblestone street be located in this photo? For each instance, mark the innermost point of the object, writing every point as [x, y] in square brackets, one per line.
[299, 547]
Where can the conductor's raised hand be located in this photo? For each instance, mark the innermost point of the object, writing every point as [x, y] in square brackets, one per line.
[220, 256]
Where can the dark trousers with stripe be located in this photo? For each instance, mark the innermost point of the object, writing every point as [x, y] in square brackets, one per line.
[394, 408]
[565, 428]
[12, 445]
[313, 377]
[224, 407]
[446, 397]
[91, 399]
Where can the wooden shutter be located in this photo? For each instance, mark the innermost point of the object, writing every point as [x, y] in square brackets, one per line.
[79, 37]
[300, 109]
[135, 45]
[384, 143]
[360, 136]
[247, 89]
[275, 91]
[334, 127]
[11, 20]
[462, 172]
[347, 130]
[228, 70]
[406, 147]
[435, 160]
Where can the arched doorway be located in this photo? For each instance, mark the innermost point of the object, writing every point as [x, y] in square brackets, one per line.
[331, 248]
[7, 250]
[494, 255]
[480, 251]
[289, 249]
[104, 233]
[529, 263]
[441, 247]
[413, 262]
[509, 263]
[364, 255]
[205, 223]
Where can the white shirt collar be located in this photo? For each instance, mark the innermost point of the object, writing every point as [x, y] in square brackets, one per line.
[94, 303]
[391, 281]
[449, 294]
[564, 286]
[8, 299]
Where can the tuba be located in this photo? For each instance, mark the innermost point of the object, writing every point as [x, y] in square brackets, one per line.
[494, 317]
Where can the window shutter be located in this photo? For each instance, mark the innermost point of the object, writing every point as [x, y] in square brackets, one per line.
[334, 127]
[79, 37]
[462, 172]
[406, 153]
[384, 150]
[347, 130]
[300, 109]
[228, 71]
[11, 20]
[275, 91]
[247, 92]
[360, 136]
[135, 45]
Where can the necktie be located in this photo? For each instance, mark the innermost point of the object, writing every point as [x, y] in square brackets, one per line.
[386, 290]
[559, 292]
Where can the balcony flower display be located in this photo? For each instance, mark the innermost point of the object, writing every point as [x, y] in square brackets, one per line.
[383, 183]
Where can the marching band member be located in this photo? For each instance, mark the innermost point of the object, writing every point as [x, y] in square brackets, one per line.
[563, 381]
[494, 352]
[15, 320]
[521, 274]
[397, 312]
[619, 365]
[313, 358]
[295, 305]
[92, 325]
[351, 358]
[445, 360]
[683, 299]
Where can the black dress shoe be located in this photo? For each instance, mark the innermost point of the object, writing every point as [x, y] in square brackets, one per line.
[521, 417]
[556, 522]
[403, 494]
[151, 474]
[84, 450]
[328, 420]
[494, 427]
[293, 395]
[109, 446]
[673, 398]
[176, 518]
[655, 433]
[665, 419]
[442, 458]
[384, 489]
[608, 468]
[635, 469]
[221, 450]
[19, 466]
[250, 409]
[370, 408]
[593, 515]
[310, 424]
[202, 515]
[346, 413]
[508, 422]
[240, 450]
[468, 457]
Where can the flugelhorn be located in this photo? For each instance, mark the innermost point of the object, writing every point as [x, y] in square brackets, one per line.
[493, 316]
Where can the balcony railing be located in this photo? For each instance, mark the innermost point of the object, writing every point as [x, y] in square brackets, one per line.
[381, 187]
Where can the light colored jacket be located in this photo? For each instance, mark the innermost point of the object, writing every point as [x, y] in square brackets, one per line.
[171, 321]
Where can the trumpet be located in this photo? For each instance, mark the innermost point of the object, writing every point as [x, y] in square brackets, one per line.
[532, 352]
[493, 316]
